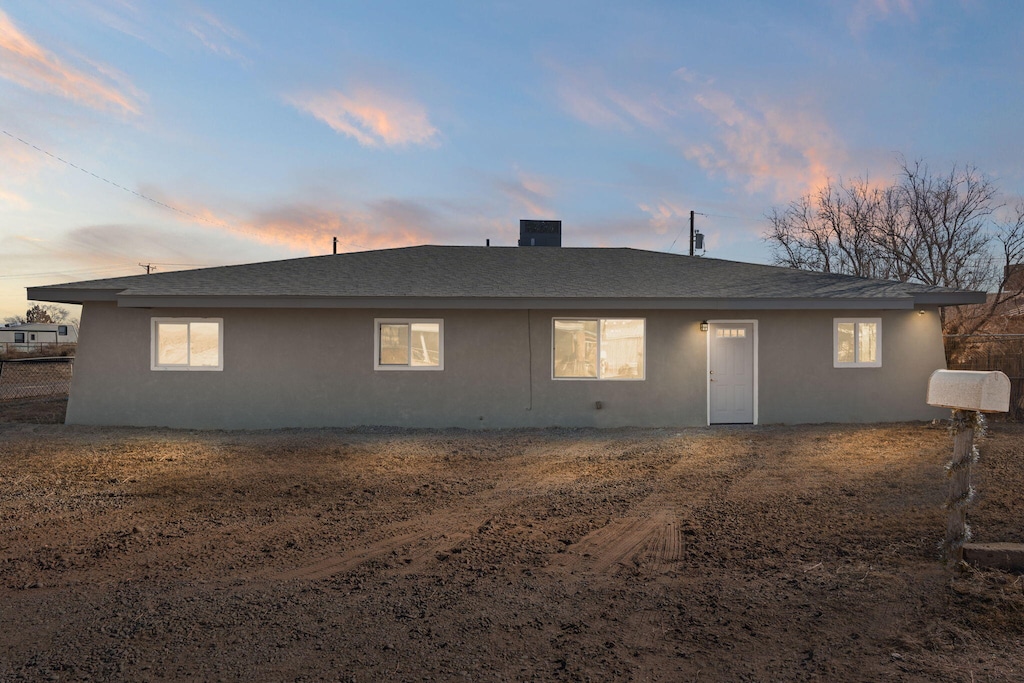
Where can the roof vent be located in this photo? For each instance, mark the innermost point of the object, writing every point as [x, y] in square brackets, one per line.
[540, 233]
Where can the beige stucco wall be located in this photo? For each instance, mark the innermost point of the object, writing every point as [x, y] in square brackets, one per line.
[798, 382]
[314, 367]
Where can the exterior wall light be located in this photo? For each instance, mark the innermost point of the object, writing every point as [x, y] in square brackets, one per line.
[703, 325]
[920, 311]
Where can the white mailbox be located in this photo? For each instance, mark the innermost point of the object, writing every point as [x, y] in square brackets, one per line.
[986, 392]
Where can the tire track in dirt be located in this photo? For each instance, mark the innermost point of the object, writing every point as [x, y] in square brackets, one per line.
[426, 535]
[111, 559]
[420, 535]
[653, 542]
[652, 539]
[439, 533]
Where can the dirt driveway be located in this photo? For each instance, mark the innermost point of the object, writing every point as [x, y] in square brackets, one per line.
[765, 553]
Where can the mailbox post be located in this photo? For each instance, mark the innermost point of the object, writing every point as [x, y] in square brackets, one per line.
[969, 393]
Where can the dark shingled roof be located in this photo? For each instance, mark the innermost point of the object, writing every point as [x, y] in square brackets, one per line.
[536, 274]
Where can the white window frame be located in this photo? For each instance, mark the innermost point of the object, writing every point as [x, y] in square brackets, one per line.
[643, 378]
[154, 345]
[377, 322]
[877, 363]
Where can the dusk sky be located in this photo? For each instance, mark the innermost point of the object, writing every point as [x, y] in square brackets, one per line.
[194, 134]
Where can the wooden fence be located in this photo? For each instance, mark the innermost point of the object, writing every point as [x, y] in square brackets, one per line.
[1003, 352]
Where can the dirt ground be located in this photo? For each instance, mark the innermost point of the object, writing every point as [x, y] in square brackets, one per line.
[735, 553]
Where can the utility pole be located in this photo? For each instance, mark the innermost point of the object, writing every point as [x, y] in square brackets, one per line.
[149, 266]
[335, 245]
[691, 232]
[696, 239]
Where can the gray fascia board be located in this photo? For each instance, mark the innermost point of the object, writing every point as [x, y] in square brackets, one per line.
[71, 296]
[950, 298]
[493, 303]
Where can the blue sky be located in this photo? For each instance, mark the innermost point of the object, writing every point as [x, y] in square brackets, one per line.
[272, 127]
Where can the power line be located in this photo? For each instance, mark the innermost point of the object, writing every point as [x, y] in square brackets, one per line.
[218, 223]
[67, 272]
[150, 267]
[696, 213]
[737, 218]
[111, 182]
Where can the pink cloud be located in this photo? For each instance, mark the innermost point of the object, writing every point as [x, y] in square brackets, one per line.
[24, 62]
[216, 36]
[310, 228]
[588, 97]
[13, 201]
[783, 149]
[666, 217]
[18, 160]
[370, 116]
[529, 192]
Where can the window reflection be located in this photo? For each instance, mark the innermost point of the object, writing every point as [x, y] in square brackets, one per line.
[409, 344]
[611, 348]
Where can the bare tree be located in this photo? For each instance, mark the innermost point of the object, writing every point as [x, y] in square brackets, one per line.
[41, 313]
[37, 314]
[945, 236]
[834, 230]
[1008, 261]
[58, 314]
[926, 228]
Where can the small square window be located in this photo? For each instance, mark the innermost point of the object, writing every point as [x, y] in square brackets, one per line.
[408, 344]
[62, 330]
[187, 344]
[857, 342]
[19, 337]
[731, 332]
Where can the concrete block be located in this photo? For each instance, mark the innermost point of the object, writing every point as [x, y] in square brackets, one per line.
[1006, 556]
[987, 392]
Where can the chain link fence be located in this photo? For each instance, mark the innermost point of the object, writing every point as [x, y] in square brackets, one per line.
[1003, 352]
[35, 377]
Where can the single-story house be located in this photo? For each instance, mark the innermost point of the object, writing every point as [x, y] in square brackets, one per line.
[528, 336]
[34, 335]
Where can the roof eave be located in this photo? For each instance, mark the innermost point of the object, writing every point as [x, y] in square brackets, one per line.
[955, 298]
[62, 295]
[518, 303]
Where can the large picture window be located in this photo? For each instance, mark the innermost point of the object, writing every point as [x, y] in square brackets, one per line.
[408, 344]
[598, 348]
[188, 344]
[857, 342]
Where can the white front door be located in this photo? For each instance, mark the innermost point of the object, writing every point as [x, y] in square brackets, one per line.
[731, 373]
